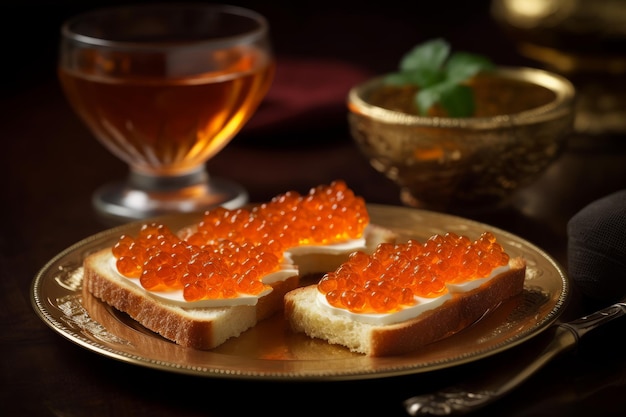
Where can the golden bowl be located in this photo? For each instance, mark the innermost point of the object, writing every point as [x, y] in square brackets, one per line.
[522, 121]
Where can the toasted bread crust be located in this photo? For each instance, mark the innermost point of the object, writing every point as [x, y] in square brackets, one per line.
[305, 316]
[200, 328]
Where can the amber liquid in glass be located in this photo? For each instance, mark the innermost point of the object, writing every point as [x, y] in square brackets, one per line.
[166, 117]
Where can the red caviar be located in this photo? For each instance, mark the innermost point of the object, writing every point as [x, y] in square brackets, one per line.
[222, 269]
[232, 250]
[327, 214]
[394, 274]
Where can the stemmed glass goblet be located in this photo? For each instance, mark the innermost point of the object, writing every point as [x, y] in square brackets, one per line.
[165, 87]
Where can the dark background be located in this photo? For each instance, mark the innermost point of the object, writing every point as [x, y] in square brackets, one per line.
[370, 34]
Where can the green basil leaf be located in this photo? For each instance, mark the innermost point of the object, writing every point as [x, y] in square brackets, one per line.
[440, 77]
[458, 100]
[397, 78]
[462, 66]
[426, 98]
[421, 77]
[430, 55]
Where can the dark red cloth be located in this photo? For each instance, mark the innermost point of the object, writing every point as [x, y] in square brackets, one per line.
[308, 95]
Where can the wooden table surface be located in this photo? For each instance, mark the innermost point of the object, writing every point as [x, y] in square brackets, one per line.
[51, 165]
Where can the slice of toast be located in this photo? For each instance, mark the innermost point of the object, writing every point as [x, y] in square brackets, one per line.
[199, 328]
[305, 315]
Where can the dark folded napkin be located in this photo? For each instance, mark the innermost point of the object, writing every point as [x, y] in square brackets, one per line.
[597, 248]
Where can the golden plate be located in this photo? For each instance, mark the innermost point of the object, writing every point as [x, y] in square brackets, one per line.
[269, 350]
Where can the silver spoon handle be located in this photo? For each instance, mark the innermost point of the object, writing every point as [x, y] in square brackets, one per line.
[476, 393]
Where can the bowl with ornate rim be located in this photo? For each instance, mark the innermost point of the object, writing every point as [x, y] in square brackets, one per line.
[520, 127]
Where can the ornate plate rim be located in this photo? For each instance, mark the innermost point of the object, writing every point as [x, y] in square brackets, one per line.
[57, 284]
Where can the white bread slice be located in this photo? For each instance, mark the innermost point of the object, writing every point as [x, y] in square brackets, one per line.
[199, 328]
[305, 315]
[205, 328]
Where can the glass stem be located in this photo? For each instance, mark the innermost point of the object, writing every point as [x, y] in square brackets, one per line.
[161, 183]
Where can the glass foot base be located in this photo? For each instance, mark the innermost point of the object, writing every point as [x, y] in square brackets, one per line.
[143, 197]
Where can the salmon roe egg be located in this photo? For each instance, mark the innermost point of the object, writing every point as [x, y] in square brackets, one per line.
[394, 274]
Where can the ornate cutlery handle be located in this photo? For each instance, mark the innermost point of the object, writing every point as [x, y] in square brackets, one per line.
[476, 393]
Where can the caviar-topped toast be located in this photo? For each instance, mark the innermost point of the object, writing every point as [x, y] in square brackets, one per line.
[215, 279]
[406, 295]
